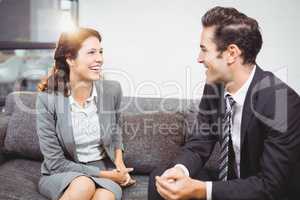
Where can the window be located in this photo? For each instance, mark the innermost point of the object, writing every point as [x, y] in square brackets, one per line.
[36, 20]
[29, 30]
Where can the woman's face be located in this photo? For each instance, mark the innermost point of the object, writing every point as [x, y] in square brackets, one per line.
[88, 63]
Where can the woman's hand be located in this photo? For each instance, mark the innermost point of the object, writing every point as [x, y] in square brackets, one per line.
[122, 168]
[129, 181]
[116, 175]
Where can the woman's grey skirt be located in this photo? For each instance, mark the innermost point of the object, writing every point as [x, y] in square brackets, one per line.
[53, 186]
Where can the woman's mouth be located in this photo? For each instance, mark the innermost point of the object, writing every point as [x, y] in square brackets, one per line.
[95, 69]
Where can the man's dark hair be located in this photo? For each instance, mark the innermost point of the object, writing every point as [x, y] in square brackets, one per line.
[234, 27]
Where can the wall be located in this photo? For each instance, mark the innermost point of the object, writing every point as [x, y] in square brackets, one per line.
[14, 26]
[44, 17]
[151, 46]
[48, 19]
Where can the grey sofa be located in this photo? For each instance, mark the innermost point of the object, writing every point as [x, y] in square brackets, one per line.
[153, 131]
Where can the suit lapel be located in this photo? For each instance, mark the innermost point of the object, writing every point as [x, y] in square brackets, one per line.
[250, 104]
[65, 123]
[99, 88]
[101, 111]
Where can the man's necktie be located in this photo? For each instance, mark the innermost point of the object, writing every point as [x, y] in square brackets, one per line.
[226, 138]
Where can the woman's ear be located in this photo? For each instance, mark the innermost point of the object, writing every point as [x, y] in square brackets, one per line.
[70, 61]
[234, 53]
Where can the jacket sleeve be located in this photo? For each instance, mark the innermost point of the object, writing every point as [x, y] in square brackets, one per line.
[200, 143]
[54, 157]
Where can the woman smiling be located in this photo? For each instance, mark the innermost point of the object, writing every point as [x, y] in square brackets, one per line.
[77, 124]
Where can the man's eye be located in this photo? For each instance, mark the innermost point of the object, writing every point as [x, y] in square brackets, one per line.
[101, 51]
[91, 52]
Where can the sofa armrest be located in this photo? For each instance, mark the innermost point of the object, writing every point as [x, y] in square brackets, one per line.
[3, 128]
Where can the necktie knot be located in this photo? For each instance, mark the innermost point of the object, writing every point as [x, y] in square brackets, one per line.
[229, 101]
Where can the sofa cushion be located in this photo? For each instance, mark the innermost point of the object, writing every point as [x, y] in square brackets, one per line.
[137, 191]
[21, 137]
[142, 105]
[151, 139]
[19, 179]
[191, 127]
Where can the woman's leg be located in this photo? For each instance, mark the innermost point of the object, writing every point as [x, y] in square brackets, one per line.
[81, 188]
[102, 193]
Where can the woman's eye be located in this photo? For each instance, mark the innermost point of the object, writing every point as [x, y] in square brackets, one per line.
[101, 52]
[91, 52]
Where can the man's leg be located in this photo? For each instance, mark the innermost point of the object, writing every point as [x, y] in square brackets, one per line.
[152, 191]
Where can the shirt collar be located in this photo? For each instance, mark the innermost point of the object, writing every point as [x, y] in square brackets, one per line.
[93, 95]
[240, 95]
[89, 99]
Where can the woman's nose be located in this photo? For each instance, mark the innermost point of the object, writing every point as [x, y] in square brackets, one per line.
[200, 58]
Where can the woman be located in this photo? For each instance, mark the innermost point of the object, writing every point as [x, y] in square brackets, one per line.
[77, 124]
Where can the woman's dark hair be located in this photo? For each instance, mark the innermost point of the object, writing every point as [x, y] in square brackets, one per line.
[234, 27]
[68, 46]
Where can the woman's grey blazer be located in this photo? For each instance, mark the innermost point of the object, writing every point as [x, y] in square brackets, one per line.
[54, 128]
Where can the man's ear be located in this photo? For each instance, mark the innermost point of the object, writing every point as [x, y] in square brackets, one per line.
[234, 52]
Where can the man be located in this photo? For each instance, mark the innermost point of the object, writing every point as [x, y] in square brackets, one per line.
[252, 115]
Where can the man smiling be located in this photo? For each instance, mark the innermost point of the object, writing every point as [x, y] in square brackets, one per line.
[259, 117]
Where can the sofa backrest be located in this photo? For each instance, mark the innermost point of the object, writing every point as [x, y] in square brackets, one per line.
[21, 138]
[153, 129]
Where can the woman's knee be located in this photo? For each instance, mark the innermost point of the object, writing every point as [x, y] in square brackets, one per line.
[82, 186]
[102, 193]
[83, 183]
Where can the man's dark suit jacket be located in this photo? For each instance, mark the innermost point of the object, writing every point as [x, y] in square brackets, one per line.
[270, 141]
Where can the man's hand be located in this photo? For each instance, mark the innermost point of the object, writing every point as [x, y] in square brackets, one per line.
[175, 185]
[169, 174]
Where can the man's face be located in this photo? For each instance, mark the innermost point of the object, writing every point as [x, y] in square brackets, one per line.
[213, 60]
